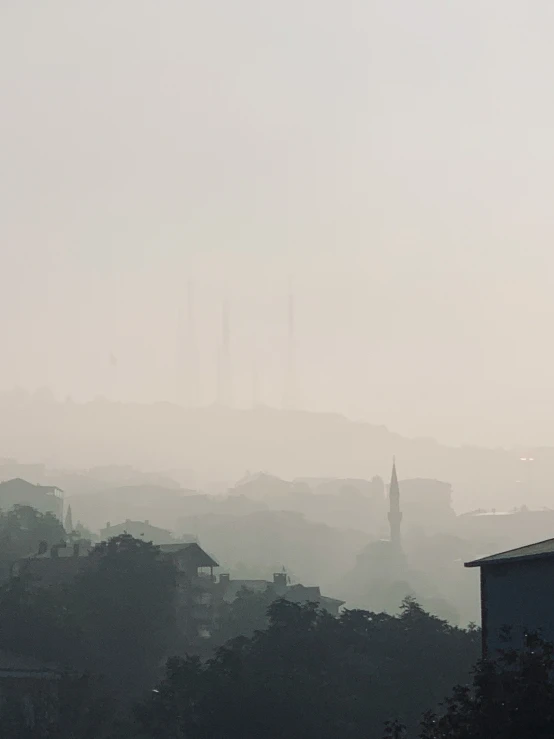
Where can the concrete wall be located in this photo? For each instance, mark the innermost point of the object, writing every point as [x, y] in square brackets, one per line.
[519, 595]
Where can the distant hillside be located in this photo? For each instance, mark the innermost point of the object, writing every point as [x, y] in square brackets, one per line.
[221, 444]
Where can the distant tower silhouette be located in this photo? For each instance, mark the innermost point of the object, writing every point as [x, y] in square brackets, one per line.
[224, 360]
[192, 346]
[187, 354]
[255, 380]
[112, 393]
[395, 516]
[290, 378]
[68, 520]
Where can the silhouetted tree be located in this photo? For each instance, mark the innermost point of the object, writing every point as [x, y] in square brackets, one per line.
[38, 622]
[124, 600]
[23, 529]
[71, 708]
[245, 615]
[512, 697]
[310, 674]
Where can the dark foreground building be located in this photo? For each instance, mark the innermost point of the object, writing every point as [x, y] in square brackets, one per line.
[517, 593]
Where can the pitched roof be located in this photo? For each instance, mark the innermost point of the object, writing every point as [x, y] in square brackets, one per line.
[331, 602]
[539, 550]
[191, 551]
[19, 483]
[302, 593]
[114, 529]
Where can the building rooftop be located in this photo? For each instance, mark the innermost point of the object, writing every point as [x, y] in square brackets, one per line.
[295, 593]
[191, 551]
[128, 526]
[20, 485]
[539, 550]
[302, 593]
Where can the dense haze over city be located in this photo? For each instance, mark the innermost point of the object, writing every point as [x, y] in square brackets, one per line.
[392, 159]
[276, 397]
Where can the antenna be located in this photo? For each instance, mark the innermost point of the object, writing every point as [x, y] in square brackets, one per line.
[257, 378]
[193, 351]
[224, 360]
[290, 379]
[187, 357]
[255, 381]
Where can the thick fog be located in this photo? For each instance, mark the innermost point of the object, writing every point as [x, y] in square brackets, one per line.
[391, 159]
[276, 390]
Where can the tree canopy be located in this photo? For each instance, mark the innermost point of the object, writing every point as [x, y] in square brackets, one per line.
[117, 618]
[23, 529]
[125, 601]
[310, 674]
[512, 697]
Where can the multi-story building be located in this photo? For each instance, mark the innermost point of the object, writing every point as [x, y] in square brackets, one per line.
[196, 586]
[516, 595]
[46, 499]
[280, 587]
[139, 530]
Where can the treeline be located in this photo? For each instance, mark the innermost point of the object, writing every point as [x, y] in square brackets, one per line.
[312, 675]
[24, 530]
[268, 670]
[115, 618]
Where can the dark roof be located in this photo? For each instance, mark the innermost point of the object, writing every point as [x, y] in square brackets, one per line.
[190, 551]
[302, 593]
[20, 483]
[326, 600]
[539, 550]
[122, 527]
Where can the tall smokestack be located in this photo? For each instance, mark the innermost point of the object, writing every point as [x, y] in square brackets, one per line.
[290, 378]
[224, 362]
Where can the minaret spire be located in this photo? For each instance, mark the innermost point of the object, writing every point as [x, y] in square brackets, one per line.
[68, 520]
[395, 516]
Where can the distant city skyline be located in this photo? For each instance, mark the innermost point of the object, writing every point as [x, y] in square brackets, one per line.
[143, 364]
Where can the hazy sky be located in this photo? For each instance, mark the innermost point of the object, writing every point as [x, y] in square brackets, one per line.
[396, 157]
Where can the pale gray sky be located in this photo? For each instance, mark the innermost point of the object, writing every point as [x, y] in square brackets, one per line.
[395, 156]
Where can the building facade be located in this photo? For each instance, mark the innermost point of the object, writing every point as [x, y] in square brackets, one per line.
[137, 529]
[197, 590]
[280, 587]
[517, 595]
[44, 498]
